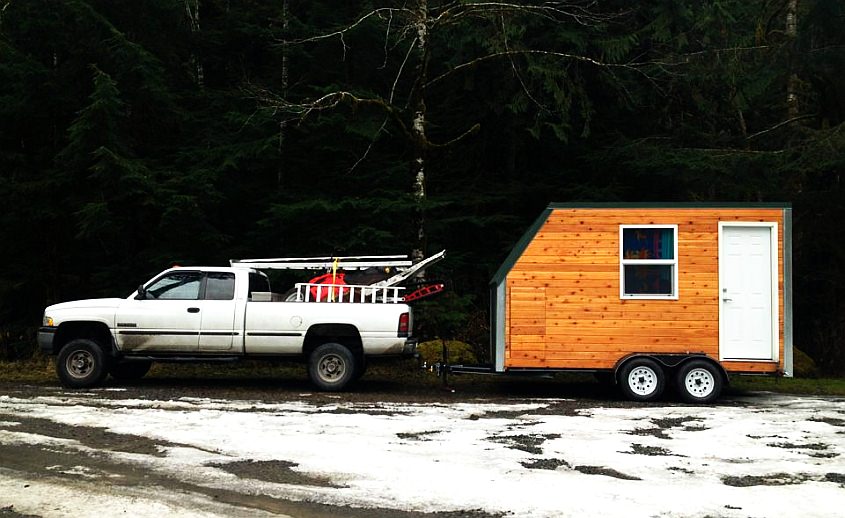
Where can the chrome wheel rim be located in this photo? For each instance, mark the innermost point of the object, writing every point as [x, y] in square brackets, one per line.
[80, 364]
[699, 383]
[642, 381]
[331, 367]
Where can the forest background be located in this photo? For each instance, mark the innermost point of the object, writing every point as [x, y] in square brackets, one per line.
[137, 134]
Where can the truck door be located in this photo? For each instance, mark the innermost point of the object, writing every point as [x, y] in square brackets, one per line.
[217, 329]
[165, 318]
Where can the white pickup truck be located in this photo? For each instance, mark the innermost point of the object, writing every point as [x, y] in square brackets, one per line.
[209, 313]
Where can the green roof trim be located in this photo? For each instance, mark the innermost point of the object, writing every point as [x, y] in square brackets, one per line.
[528, 236]
[521, 245]
[671, 205]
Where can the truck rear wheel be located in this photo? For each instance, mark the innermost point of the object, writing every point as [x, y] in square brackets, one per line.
[331, 367]
[642, 379]
[699, 382]
[81, 363]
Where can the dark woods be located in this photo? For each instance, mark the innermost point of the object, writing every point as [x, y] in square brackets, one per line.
[138, 134]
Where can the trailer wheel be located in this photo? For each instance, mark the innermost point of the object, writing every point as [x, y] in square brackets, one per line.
[130, 371]
[699, 381]
[81, 363]
[331, 367]
[642, 379]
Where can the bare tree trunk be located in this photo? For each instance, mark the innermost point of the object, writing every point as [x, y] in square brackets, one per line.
[418, 136]
[792, 83]
[417, 23]
[192, 8]
[2, 12]
[283, 123]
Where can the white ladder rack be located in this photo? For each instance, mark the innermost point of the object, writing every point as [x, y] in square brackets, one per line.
[310, 292]
[405, 268]
[321, 263]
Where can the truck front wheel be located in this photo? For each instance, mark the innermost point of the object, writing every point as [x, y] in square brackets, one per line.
[331, 367]
[81, 363]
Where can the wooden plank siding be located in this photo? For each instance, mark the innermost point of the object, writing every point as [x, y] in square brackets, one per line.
[562, 296]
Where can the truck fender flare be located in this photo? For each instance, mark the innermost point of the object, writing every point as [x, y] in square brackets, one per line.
[95, 330]
[344, 334]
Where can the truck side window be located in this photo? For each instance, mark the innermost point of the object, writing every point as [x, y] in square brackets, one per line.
[220, 286]
[176, 286]
[258, 282]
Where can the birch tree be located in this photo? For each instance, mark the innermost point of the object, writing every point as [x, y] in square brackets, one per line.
[192, 11]
[416, 36]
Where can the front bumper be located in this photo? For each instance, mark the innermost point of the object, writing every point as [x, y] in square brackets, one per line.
[46, 336]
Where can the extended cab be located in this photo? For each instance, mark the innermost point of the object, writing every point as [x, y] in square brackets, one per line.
[209, 313]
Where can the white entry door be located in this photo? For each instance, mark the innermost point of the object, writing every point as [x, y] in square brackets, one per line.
[748, 309]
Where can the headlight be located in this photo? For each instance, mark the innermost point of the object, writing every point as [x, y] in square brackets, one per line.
[48, 321]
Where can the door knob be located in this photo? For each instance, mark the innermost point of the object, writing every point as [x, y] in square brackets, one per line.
[193, 310]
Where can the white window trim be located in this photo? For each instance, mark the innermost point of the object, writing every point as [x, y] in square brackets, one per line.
[672, 262]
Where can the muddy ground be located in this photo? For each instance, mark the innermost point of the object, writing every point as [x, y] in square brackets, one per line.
[35, 461]
[100, 462]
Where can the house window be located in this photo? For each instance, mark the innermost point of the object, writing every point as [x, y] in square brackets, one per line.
[648, 261]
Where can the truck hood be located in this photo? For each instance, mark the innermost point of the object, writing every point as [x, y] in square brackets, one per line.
[87, 304]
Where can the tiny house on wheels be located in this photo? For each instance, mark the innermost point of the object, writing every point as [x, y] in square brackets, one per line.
[654, 294]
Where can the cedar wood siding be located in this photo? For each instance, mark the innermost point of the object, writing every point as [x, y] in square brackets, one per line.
[562, 303]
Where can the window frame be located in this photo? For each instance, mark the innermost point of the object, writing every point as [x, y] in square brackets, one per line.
[207, 276]
[169, 273]
[673, 263]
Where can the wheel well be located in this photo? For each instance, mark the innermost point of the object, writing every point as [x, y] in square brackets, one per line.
[96, 331]
[670, 362]
[344, 334]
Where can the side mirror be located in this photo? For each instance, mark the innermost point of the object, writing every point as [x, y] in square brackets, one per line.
[142, 293]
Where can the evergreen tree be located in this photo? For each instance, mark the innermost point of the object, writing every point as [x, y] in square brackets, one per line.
[131, 136]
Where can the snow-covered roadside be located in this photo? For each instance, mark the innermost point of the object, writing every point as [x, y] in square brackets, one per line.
[772, 456]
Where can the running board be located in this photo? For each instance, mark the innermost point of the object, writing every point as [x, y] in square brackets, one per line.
[180, 359]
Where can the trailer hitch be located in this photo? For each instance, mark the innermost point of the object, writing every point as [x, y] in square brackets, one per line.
[441, 368]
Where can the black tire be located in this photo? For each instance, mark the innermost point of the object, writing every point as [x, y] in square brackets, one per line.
[81, 363]
[642, 379]
[130, 371]
[699, 381]
[331, 367]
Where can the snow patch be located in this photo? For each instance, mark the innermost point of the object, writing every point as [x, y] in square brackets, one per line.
[510, 458]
